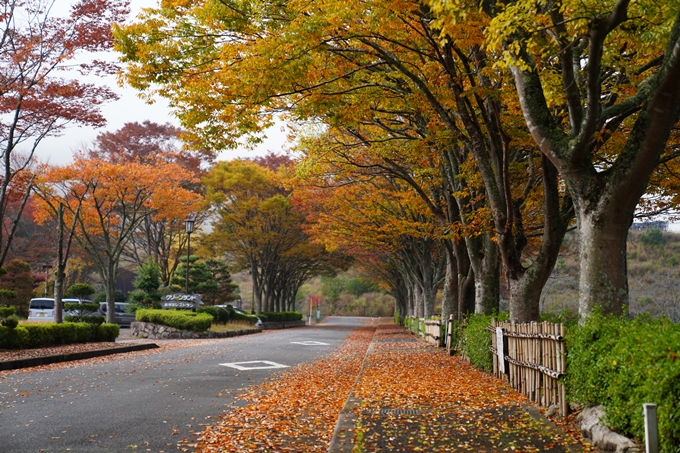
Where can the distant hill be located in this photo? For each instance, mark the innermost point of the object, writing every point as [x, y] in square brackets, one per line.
[653, 275]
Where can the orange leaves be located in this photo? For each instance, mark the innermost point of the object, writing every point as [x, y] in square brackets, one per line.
[297, 411]
[113, 195]
[414, 397]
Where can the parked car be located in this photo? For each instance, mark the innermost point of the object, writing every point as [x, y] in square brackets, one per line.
[75, 312]
[42, 308]
[258, 323]
[120, 316]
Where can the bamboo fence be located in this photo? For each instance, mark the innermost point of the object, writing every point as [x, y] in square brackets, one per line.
[432, 331]
[535, 356]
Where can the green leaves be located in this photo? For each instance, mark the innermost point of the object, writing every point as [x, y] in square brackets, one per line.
[622, 364]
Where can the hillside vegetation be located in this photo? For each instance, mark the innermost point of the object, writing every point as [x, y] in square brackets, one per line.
[653, 275]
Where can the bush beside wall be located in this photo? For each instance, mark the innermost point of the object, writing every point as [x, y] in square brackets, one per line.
[179, 319]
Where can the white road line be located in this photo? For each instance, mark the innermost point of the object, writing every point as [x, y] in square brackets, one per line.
[243, 366]
[309, 343]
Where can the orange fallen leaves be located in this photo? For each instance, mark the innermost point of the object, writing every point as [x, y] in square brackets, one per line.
[413, 397]
[295, 412]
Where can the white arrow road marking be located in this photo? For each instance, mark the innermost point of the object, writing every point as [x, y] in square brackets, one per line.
[309, 343]
[244, 366]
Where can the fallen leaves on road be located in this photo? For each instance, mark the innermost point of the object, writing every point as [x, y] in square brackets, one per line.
[296, 411]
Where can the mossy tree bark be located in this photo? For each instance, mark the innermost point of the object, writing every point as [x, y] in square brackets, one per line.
[605, 193]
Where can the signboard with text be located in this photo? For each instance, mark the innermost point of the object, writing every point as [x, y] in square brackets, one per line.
[185, 301]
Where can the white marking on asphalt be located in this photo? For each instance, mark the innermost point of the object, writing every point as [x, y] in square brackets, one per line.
[245, 366]
[309, 343]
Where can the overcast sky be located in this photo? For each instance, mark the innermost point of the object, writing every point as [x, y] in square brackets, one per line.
[128, 108]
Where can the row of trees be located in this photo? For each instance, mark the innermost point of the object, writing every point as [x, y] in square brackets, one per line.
[442, 138]
[259, 230]
[125, 199]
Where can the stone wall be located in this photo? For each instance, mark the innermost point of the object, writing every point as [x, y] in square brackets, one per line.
[159, 332]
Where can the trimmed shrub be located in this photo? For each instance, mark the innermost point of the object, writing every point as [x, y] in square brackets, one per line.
[85, 307]
[179, 319]
[107, 332]
[281, 316]
[622, 364]
[10, 322]
[244, 318]
[88, 319]
[40, 335]
[220, 315]
[15, 338]
[7, 311]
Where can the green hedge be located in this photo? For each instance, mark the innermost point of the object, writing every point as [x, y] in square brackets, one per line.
[244, 318]
[42, 335]
[88, 319]
[179, 319]
[622, 364]
[281, 316]
[220, 315]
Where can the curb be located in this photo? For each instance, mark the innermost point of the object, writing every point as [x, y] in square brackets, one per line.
[47, 360]
[548, 426]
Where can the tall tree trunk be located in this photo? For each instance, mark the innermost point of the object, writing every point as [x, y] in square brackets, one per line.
[526, 283]
[604, 198]
[450, 290]
[59, 294]
[484, 259]
[109, 279]
[602, 255]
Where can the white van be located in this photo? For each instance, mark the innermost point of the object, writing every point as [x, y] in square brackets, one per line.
[42, 308]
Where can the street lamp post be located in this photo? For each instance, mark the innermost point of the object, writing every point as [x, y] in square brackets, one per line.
[47, 268]
[189, 228]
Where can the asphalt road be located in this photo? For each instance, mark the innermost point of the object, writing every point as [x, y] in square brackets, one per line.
[151, 401]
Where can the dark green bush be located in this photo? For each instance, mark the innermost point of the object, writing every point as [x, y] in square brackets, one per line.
[13, 338]
[622, 364]
[41, 335]
[244, 318]
[10, 322]
[85, 307]
[7, 311]
[220, 315]
[475, 339]
[107, 332]
[89, 319]
[281, 316]
[70, 332]
[179, 319]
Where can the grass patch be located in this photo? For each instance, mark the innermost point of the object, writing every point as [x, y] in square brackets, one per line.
[230, 326]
